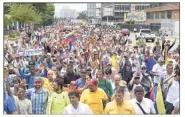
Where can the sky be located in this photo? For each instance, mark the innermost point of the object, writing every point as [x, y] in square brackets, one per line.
[77, 6]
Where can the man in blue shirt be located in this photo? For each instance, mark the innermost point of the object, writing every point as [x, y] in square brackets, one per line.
[29, 77]
[150, 62]
[81, 82]
[9, 103]
[38, 97]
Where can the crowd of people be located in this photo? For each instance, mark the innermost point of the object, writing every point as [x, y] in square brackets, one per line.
[88, 70]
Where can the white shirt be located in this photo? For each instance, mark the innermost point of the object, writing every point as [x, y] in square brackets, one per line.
[159, 69]
[82, 109]
[173, 92]
[146, 104]
[23, 106]
[176, 103]
[93, 74]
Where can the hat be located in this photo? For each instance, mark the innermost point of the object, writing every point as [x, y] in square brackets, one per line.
[93, 82]
[88, 69]
[99, 71]
[37, 79]
[83, 71]
[126, 55]
[161, 59]
[109, 63]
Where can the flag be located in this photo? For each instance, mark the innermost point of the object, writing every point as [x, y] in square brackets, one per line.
[70, 37]
[154, 93]
[70, 46]
[157, 99]
[160, 101]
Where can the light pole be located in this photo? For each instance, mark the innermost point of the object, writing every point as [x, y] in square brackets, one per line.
[107, 20]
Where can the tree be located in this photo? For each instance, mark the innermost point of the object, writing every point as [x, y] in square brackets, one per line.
[7, 20]
[82, 15]
[24, 13]
[47, 11]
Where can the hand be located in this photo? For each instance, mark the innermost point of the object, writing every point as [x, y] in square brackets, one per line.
[134, 75]
[173, 75]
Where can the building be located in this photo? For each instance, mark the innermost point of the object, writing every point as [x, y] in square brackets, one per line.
[91, 10]
[68, 13]
[141, 7]
[167, 16]
[161, 4]
[137, 13]
[114, 12]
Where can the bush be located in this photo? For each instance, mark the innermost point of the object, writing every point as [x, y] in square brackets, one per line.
[17, 33]
[11, 35]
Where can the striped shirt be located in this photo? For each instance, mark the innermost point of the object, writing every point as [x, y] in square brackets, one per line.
[38, 100]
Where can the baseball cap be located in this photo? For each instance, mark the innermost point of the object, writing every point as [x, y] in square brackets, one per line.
[83, 71]
[161, 59]
[37, 79]
[93, 82]
[88, 69]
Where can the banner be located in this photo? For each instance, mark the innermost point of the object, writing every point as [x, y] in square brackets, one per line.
[137, 16]
[31, 52]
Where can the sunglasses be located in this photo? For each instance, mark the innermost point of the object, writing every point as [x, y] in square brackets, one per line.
[137, 78]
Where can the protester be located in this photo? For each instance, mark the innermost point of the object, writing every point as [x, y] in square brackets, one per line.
[76, 107]
[91, 61]
[94, 97]
[119, 105]
[38, 97]
[58, 99]
[142, 105]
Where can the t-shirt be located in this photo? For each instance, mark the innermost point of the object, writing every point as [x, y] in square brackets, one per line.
[125, 108]
[23, 106]
[80, 83]
[47, 85]
[9, 104]
[59, 102]
[158, 69]
[106, 86]
[82, 109]
[94, 100]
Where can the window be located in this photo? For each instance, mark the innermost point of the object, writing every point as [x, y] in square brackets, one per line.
[157, 15]
[128, 8]
[162, 15]
[123, 8]
[137, 8]
[142, 8]
[169, 14]
[149, 15]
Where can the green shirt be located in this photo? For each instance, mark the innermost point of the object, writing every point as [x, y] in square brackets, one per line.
[59, 102]
[106, 86]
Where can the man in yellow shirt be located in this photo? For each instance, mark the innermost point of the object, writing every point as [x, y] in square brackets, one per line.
[119, 105]
[94, 97]
[47, 82]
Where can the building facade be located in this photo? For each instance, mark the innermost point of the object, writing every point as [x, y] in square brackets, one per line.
[167, 16]
[116, 11]
[91, 10]
[120, 11]
[68, 13]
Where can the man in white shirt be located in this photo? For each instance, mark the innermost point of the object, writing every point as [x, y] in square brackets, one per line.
[158, 69]
[176, 107]
[173, 92]
[142, 105]
[76, 107]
